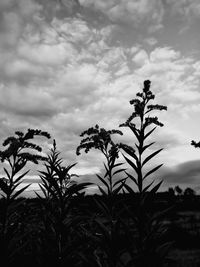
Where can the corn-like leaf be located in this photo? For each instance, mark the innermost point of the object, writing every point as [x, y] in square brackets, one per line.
[103, 181]
[118, 164]
[19, 192]
[132, 178]
[70, 167]
[151, 156]
[151, 131]
[131, 163]
[21, 176]
[52, 192]
[102, 191]
[156, 187]
[15, 186]
[116, 191]
[38, 195]
[76, 188]
[118, 171]
[107, 170]
[129, 189]
[131, 153]
[119, 181]
[134, 130]
[147, 146]
[147, 187]
[7, 173]
[4, 187]
[44, 190]
[152, 171]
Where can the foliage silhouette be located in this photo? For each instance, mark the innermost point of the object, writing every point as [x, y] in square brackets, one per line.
[108, 228]
[59, 189]
[20, 150]
[148, 247]
[123, 226]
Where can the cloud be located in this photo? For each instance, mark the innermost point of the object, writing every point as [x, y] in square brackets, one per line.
[130, 12]
[186, 173]
[140, 58]
[47, 54]
[15, 15]
[151, 41]
[20, 101]
[185, 8]
[18, 67]
[63, 73]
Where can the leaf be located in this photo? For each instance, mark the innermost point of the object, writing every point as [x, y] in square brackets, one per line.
[151, 131]
[118, 171]
[15, 186]
[107, 170]
[70, 166]
[7, 173]
[102, 191]
[156, 187]
[134, 130]
[44, 190]
[147, 187]
[129, 189]
[132, 164]
[119, 181]
[103, 181]
[118, 164]
[116, 191]
[38, 195]
[152, 171]
[76, 188]
[21, 176]
[145, 147]
[128, 151]
[19, 192]
[151, 156]
[132, 178]
[4, 187]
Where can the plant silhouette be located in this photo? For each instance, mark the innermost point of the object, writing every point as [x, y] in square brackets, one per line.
[20, 150]
[128, 223]
[147, 246]
[109, 229]
[59, 189]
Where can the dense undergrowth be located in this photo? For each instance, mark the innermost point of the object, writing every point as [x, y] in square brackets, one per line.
[125, 225]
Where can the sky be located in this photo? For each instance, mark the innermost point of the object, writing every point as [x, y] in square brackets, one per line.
[66, 65]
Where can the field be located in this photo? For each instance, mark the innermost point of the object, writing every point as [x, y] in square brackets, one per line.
[182, 222]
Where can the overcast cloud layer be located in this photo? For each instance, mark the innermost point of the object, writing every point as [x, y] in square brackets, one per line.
[66, 65]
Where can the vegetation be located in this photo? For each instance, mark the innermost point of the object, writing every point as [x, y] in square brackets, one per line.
[148, 248]
[129, 223]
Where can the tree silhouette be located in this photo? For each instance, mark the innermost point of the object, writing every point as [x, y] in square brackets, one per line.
[178, 190]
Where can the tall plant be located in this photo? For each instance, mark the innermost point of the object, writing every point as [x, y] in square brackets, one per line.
[101, 139]
[20, 149]
[147, 243]
[59, 190]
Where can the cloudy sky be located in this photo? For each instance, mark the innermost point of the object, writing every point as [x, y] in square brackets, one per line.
[66, 65]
